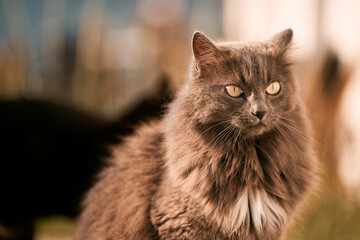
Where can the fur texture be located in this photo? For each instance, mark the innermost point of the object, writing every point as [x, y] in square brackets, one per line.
[214, 167]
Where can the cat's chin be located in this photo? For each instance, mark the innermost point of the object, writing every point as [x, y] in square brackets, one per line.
[257, 130]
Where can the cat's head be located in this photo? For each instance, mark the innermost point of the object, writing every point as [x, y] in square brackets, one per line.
[238, 88]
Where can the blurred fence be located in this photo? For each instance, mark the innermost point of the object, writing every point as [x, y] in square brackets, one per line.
[96, 54]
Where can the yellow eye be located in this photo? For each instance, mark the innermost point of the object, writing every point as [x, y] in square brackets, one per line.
[233, 90]
[273, 88]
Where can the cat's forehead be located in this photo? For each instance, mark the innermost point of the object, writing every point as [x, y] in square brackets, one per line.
[238, 48]
[248, 61]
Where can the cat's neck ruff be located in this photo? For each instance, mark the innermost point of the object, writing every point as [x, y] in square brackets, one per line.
[256, 206]
[252, 205]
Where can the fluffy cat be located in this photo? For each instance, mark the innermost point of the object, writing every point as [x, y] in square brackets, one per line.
[232, 158]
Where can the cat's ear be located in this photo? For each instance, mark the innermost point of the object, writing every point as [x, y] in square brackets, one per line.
[282, 41]
[203, 48]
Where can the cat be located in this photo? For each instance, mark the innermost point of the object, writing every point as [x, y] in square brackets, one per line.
[50, 153]
[231, 159]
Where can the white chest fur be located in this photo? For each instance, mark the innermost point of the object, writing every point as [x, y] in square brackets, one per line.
[257, 205]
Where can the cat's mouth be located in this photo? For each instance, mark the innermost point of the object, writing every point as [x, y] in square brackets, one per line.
[258, 128]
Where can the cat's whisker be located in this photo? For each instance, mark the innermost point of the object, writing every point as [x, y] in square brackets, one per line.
[229, 133]
[291, 122]
[290, 127]
[220, 135]
[285, 136]
[237, 137]
[290, 142]
[280, 131]
[219, 123]
[284, 133]
[289, 119]
[225, 137]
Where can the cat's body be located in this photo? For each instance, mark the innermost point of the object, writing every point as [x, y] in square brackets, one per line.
[232, 158]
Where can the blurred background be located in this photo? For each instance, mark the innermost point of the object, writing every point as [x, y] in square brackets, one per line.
[102, 57]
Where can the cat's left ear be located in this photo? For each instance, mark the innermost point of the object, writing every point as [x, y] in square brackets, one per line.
[282, 41]
[203, 48]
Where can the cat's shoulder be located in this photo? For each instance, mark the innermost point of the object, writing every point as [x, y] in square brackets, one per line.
[146, 142]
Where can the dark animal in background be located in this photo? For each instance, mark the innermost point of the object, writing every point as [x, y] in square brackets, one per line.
[50, 153]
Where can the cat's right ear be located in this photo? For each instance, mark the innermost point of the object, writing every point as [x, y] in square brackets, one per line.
[203, 49]
[282, 41]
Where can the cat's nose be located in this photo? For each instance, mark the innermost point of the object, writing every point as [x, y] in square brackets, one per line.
[259, 114]
[259, 110]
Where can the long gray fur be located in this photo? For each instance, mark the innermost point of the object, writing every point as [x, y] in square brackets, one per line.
[211, 169]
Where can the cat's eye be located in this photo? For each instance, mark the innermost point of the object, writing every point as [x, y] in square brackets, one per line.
[273, 88]
[233, 90]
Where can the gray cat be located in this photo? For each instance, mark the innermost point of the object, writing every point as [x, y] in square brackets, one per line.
[232, 159]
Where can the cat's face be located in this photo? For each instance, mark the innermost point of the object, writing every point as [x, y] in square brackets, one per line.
[238, 89]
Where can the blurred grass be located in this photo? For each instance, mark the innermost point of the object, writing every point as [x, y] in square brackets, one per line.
[329, 215]
[55, 228]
